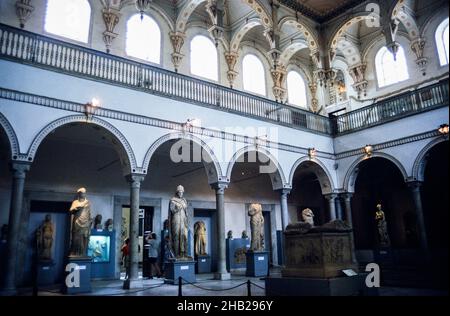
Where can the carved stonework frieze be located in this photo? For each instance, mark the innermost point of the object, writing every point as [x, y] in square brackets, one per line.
[111, 18]
[23, 11]
[279, 78]
[177, 40]
[358, 74]
[417, 46]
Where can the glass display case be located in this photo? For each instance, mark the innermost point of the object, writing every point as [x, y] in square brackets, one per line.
[99, 248]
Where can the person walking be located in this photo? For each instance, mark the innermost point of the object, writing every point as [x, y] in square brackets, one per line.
[126, 257]
[153, 255]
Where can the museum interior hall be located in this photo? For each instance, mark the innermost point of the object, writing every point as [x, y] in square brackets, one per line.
[224, 147]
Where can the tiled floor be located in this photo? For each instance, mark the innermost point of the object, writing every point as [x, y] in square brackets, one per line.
[207, 286]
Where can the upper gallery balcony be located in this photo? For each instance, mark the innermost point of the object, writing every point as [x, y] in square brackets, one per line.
[56, 55]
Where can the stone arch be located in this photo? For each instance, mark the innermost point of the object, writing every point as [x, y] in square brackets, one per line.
[420, 163]
[190, 7]
[277, 178]
[320, 170]
[338, 35]
[212, 167]
[237, 38]
[352, 172]
[121, 144]
[311, 37]
[12, 137]
[401, 14]
[290, 51]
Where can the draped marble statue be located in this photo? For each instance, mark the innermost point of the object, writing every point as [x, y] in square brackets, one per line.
[200, 238]
[81, 224]
[44, 239]
[308, 216]
[256, 227]
[383, 236]
[178, 224]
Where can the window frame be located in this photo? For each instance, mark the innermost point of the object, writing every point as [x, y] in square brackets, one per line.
[216, 81]
[441, 29]
[161, 42]
[88, 43]
[266, 88]
[377, 72]
[305, 82]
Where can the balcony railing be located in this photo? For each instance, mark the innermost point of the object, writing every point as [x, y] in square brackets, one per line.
[45, 52]
[42, 51]
[408, 103]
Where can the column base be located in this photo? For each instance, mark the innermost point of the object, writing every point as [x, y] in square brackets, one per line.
[130, 284]
[8, 292]
[222, 276]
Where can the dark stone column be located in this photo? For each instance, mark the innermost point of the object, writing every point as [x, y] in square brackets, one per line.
[19, 170]
[284, 207]
[222, 273]
[339, 212]
[414, 186]
[348, 215]
[135, 181]
[331, 198]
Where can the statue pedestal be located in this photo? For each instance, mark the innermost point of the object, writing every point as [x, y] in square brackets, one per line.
[78, 280]
[45, 272]
[236, 249]
[341, 286]
[318, 255]
[179, 268]
[203, 264]
[257, 263]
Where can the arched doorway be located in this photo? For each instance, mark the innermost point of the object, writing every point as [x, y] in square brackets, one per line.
[379, 181]
[5, 196]
[182, 159]
[75, 154]
[435, 197]
[310, 183]
[255, 175]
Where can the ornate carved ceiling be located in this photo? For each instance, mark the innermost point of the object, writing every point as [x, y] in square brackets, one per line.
[320, 10]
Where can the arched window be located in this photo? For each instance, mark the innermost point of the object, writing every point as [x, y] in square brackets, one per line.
[442, 42]
[390, 71]
[204, 61]
[69, 18]
[253, 74]
[296, 89]
[143, 38]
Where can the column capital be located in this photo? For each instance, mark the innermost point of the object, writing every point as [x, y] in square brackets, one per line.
[220, 186]
[347, 195]
[284, 191]
[135, 179]
[414, 185]
[330, 196]
[20, 168]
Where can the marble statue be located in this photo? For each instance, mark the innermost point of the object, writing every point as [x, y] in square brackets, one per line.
[81, 224]
[109, 224]
[308, 216]
[178, 224]
[44, 239]
[200, 238]
[244, 234]
[383, 236]
[98, 221]
[257, 227]
[230, 234]
[4, 233]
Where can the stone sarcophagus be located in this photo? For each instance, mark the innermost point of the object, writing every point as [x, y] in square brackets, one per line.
[318, 252]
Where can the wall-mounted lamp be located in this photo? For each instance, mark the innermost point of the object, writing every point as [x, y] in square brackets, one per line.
[312, 152]
[443, 129]
[368, 149]
[90, 108]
